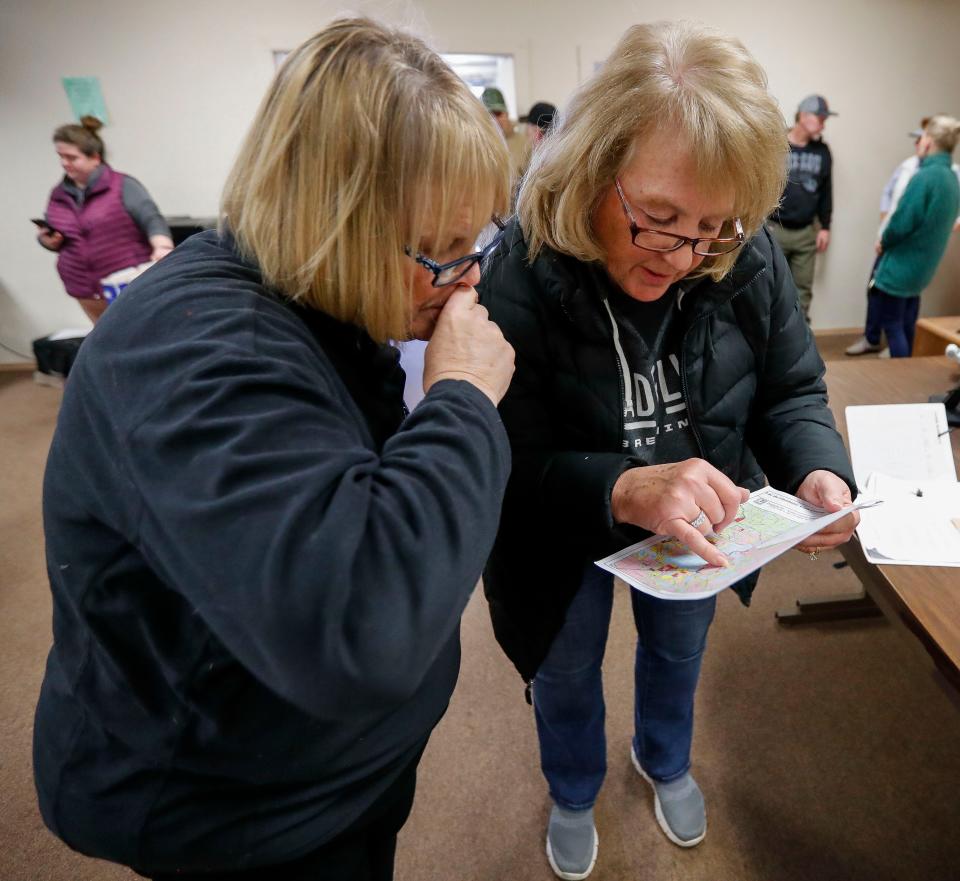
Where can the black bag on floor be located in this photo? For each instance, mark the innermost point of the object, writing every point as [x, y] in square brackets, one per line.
[55, 357]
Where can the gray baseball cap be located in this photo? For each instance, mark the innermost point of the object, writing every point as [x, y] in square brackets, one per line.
[815, 104]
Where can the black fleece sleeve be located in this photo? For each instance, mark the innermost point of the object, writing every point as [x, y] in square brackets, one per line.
[333, 573]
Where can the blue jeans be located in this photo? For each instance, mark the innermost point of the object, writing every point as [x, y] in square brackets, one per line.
[898, 317]
[568, 689]
[873, 328]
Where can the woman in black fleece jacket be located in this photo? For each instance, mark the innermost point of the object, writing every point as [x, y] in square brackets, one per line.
[258, 559]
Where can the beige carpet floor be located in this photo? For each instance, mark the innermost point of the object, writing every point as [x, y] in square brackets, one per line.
[828, 753]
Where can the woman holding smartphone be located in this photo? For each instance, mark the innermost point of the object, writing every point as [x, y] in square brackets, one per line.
[97, 219]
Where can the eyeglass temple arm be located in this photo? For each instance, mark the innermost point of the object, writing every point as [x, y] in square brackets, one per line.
[623, 203]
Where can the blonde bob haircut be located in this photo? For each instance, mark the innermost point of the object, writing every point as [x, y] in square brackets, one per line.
[943, 131]
[667, 76]
[365, 140]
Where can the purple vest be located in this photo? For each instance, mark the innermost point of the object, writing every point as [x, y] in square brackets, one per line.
[99, 238]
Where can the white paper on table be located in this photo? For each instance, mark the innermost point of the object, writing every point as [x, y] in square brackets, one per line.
[910, 529]
[769, 523]
[908, 441]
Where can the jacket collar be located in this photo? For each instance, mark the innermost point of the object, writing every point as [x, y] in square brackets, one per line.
[348, 336]
[346, 344]
[99, 181]
[936, 159]
[562, 279]
[369, 370]
[709, 296]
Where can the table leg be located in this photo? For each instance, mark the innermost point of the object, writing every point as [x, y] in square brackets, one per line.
[841, 607]
[835, 608]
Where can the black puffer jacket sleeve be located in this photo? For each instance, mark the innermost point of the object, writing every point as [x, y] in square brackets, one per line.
[792, 431]
[570, 486]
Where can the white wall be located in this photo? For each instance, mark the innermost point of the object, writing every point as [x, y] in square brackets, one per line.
[182, 79]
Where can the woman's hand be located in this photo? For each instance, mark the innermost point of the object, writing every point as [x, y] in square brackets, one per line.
[825, 490]
[160, 251]
[50, 239]
[467, 345]
[162, 245]
[666, 499]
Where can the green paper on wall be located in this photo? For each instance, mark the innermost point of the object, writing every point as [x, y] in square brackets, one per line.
[85, 96]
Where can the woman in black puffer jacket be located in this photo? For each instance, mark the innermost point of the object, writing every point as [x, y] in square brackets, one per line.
[663, 371]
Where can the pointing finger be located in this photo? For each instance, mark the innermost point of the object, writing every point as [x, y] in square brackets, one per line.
[692, 538]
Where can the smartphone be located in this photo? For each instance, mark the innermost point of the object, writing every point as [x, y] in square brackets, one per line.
[39, 221]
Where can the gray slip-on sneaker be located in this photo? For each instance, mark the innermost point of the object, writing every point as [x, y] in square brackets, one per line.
[571, 843]
[862, 346]
[678, 805]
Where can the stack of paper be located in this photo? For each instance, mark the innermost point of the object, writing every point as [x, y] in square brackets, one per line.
[918, 526]
[910, 441]
[902, 455]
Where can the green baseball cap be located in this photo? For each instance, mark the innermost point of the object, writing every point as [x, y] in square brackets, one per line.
[493, 100]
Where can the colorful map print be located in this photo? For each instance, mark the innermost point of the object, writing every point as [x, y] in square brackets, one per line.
[768, 523]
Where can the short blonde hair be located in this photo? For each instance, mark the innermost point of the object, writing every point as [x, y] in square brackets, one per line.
[943, 131]
[365, 138]
[662, 76]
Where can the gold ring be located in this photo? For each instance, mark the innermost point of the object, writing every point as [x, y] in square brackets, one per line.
[815, 553]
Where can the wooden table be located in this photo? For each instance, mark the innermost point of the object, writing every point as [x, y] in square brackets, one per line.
[924, 599]
[933, 334]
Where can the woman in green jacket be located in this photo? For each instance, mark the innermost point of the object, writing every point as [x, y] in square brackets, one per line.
[917, 235]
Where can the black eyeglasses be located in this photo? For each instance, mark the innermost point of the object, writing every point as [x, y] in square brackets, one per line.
[655, 240]
[448, 273]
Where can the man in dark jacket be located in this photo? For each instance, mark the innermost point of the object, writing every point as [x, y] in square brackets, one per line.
[801, 223]
[664, 369]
